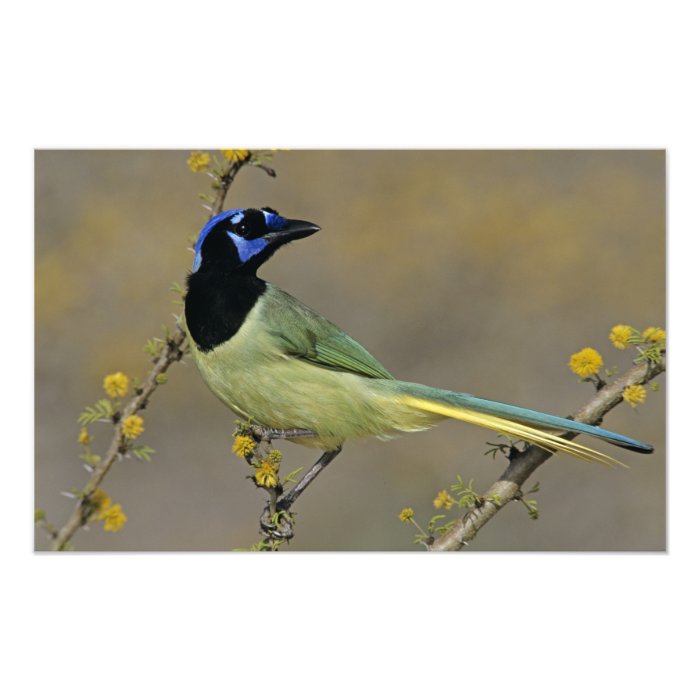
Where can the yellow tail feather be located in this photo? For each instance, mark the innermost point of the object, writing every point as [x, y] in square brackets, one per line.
[547, 441]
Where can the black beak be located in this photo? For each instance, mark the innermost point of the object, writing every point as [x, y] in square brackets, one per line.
[293, 231]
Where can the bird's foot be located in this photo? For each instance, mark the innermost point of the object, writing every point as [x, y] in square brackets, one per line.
[323, 461]
[267, 434]
[278, 527]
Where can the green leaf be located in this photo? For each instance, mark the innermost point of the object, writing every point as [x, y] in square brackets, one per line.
[433, 522]
[153, 347]
[290, 477]
[90, 458]
[102, 410]
[143, 452]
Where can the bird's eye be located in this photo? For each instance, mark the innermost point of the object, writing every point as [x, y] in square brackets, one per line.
[242, 228]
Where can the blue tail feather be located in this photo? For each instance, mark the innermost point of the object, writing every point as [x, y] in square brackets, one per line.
[526, 416]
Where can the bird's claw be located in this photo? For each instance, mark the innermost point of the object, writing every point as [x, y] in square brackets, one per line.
[278, 527]
[262, 433]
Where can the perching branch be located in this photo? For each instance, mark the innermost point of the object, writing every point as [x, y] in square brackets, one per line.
[277, 521]
[523, 464]
[254, 444]
[172, 351]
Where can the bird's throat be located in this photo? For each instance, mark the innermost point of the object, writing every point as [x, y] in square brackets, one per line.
[217, 303]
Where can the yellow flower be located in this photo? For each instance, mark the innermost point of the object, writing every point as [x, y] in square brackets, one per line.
[654, 334]
[585, 362]
[620, 335]
[198, 161]
[266, 475]
[116, 384]
[114, 518]
[274, 457]
[101, 502]
[634, 394]
[406, 515]
[84, 438]
[444, 500]
[235, 154]
[132, 427]
[243, 445]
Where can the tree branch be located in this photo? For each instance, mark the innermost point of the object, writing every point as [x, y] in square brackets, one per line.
[173, 350]
[523, 464]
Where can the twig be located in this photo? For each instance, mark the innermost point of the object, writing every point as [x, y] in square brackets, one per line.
[48, 527]
[228, 177]
[523, 464]
[172, 351]
[276, 521]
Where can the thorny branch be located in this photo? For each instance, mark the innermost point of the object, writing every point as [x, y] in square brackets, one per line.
[277, 522]
[172, 352]
[523, 464]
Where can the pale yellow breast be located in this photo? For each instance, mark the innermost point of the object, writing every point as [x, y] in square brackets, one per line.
[258, 381]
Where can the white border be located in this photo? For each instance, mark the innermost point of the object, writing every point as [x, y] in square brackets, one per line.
[536, 74]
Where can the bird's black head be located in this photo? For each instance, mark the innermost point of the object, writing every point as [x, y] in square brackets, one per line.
[243, 239]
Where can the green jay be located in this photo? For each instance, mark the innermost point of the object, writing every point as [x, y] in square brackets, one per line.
[276, 362]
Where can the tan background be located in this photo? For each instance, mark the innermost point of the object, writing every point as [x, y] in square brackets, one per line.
[476, 271]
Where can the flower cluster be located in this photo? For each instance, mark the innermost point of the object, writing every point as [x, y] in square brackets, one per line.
[201, 161]
[585, 362]
[110, 513]
[620, 336]
[634, 394]
[235, 155]
[623, 336]
[444, 500]
[100, 501]
[132, 427]
[243, 446]
[650, 344]
[198, 161]
[266, 465]
[266, 475]
[116, 384]
[114, 518]
[406, 515]
[653, 334]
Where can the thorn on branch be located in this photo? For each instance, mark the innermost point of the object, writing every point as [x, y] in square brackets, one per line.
[513, 452]
[267, 169]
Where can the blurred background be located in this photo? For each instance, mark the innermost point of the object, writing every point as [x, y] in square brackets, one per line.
[478, 271]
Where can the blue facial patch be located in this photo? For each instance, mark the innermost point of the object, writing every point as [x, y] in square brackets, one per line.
[233, 215]
[247, 249]
[274, 222]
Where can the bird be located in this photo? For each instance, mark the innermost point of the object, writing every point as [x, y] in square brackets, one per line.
[277, 363]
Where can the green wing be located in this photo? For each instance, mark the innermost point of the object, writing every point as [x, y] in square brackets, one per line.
[302, 333]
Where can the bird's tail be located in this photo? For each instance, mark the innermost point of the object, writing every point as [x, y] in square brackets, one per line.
[521, 423]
